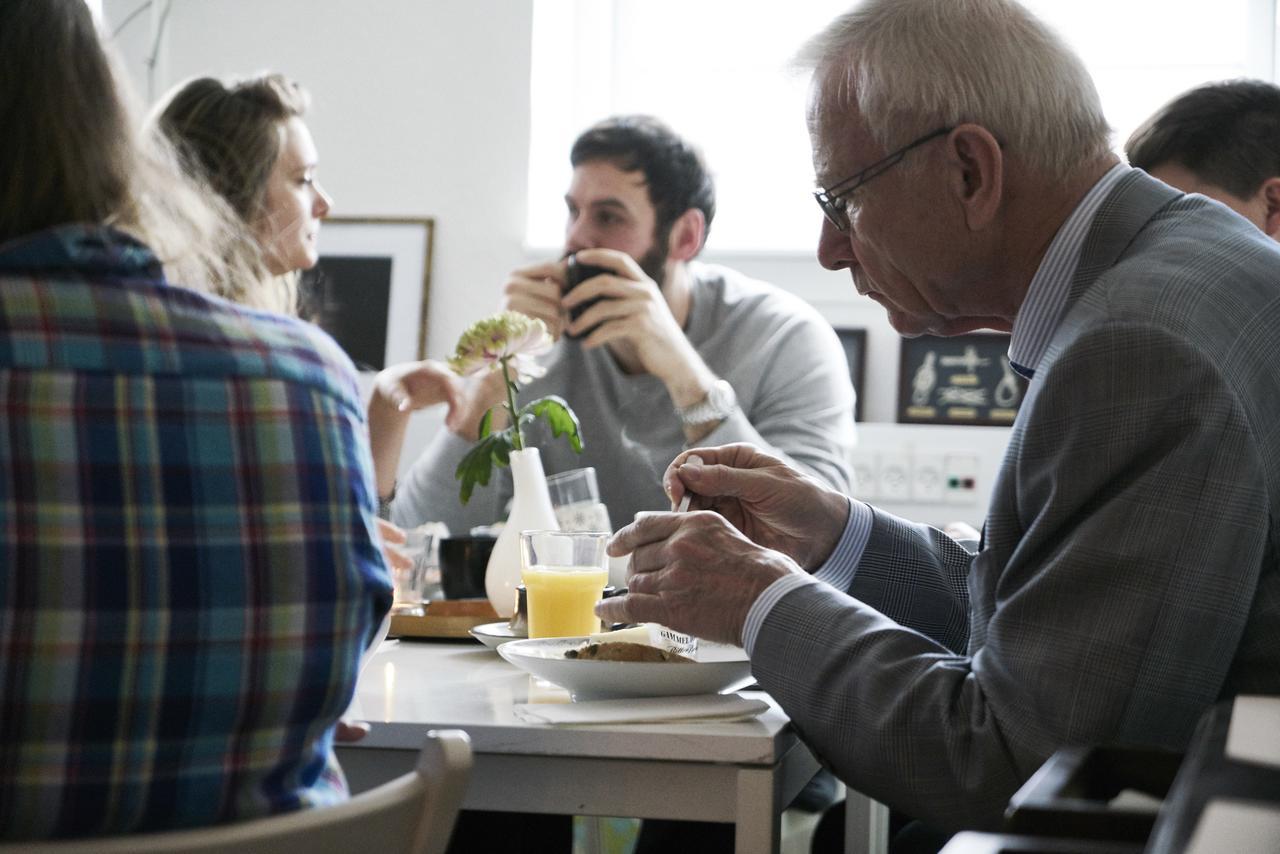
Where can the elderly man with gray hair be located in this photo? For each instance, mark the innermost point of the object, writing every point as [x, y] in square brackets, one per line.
[1128, 575]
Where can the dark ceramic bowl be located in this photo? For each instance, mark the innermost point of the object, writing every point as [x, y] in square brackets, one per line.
[462, 564]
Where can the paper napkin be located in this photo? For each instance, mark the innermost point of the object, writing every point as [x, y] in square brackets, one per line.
[1254, 732]
[646, 710]
[1241, 827]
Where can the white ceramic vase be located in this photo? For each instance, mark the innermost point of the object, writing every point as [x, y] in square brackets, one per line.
[531, 510]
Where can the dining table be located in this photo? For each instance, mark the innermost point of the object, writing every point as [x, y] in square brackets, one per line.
[742, 772]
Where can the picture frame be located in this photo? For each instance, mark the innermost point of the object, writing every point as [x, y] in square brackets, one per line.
[854, 342]
[373, 273]
[963, 379]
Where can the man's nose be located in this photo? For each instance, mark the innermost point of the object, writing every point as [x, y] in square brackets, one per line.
[835, 247]
[578, 235]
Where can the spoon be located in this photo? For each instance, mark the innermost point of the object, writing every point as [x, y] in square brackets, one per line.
[694, 460]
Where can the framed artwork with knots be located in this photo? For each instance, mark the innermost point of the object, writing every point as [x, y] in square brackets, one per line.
[964, 379]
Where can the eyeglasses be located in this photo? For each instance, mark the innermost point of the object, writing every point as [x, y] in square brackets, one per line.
[830, 199]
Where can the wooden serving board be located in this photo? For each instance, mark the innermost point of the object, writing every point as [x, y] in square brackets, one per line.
[443, 618]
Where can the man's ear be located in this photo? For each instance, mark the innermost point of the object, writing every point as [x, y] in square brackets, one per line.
[687, 234]
[976, 173]
[1270, 196]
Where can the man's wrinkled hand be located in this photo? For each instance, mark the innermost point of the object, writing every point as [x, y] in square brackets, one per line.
[770, 502]
[692, 572]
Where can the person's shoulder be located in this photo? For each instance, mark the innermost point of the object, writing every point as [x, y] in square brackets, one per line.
[1196, 275]
[204, 337]
[276, 346]
[101, 300]
[1197, 245]
[741, 297]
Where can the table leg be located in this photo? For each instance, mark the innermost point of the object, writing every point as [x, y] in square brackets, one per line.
[594, 834]
[759, 815]
[866, 825]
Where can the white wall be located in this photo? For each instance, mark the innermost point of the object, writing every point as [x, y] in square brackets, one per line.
[421, 108]
[418, 109]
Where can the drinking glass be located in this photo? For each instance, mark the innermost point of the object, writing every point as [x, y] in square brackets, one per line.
[564, 574]
[575, 495]
[421, 581]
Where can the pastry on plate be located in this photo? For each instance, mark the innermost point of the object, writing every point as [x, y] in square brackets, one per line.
[624, 651]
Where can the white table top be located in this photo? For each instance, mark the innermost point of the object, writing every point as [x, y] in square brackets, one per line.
[410, 683]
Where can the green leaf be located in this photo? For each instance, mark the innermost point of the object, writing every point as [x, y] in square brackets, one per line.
[557, 413]
[502, 449]
[477, 466]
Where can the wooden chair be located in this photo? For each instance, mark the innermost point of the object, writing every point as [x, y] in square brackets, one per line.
[412, 814]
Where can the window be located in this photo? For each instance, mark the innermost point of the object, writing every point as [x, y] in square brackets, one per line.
[716, 71]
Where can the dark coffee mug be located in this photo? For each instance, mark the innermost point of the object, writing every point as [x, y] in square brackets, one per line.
[462, 564]
[574, 275]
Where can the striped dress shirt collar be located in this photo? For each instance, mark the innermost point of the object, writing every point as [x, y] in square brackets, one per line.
[1046, 299]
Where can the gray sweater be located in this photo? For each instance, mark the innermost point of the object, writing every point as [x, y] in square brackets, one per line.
[781, 357]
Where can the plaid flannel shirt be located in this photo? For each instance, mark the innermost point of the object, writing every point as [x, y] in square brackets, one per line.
[189, 564]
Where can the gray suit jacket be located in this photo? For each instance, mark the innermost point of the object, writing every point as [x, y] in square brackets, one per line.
[1128, 577]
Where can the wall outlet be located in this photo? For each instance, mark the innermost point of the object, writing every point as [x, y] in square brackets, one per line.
[893, 477]
[864, 475]
[927, 478]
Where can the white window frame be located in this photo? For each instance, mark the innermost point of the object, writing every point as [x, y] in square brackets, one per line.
[573, 82]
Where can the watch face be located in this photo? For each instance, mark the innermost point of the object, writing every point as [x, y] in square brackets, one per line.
[716, 406]
[721, 398]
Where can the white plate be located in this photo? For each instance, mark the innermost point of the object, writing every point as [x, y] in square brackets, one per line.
[719, 667]
[494, 635]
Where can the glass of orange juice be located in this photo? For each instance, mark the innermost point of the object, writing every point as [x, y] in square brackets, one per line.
[564, 574]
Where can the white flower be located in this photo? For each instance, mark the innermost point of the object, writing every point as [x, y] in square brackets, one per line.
[510, 336]
[508, 342]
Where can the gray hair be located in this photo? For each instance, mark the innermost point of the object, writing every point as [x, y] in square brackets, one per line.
[912, 66]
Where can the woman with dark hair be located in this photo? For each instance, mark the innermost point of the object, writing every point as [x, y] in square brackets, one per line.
[189, 563]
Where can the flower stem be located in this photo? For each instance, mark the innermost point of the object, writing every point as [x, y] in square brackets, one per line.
[517, 440]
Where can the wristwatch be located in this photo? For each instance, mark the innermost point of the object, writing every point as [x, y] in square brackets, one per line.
[716, 406]
[384, 504]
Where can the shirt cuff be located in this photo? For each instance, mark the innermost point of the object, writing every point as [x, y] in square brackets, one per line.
[837, 571]
[840, 566]
[764, 604]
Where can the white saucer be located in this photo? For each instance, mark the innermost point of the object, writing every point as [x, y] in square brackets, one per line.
[494, 635]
